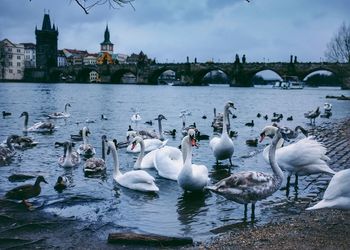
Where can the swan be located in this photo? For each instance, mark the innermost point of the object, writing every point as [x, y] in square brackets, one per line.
[251, 186]
[218, 120]
[143, 161]
[168, 161]
[304, 157]
[86, 149]
[327, 107]
[6, 153]
[58, 115]
[337, 194]
[191, 177]
[37, 127]
[312, 115]
[70, 158]
[222, 147]
[138, 180]
[150, 144]
[23, 142]
[96, 165]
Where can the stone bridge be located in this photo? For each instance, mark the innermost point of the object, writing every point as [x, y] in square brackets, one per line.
[193, 73]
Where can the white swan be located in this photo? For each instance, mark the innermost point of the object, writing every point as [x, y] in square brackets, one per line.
[222, 147]
[86, 149]
[37, 127]
[251, 186]
[168, 161]
[7, 152]
[138, 180]
[304, 157]
[58, 115]
[192, 177]
[96, 165]
[150, 145]
[70, 158]
[337, 194]
[143, 161]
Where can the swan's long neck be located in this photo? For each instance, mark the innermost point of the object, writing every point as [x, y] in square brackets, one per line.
[65, 108]
[103, 150]
[141, 155]
[68, 155]
[26, 118]
[183, 122]
[272, 159]
[115, 159]
[187, 154]
[160, 129]
[9, 144]
[224, 122]
[85, 137]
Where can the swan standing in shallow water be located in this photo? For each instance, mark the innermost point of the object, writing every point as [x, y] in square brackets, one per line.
[138, 180]
[304, 157]
[70, 158]
[337, 194]
[95, 165]
[222, 147]
[86, 149]
[37, 127]
[251, 186]
[59, 115]
[191, 177]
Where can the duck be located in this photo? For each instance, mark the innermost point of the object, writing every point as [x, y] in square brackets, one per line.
[168, 161]
[150, 122]
[258, 115]
[304, 157]
[96, 165]
[204, 117]
[8, 151]
[77, 137]
[86, 149]
[23, 142]
[266, 117]
[252, 142]
[312, 115]
[61, 183]
[192, 177]
[37, 127]
[143, 161]
[59, 115]
[250, 124]
[170, 132]
[103, 117]
[26, 191]
[251, 186]
[222, 146]
[290, 118]
[69, 158]
[138, 180]
[5, 113]
[337, 194]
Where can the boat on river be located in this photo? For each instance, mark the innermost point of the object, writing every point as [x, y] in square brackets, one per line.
[291, 82]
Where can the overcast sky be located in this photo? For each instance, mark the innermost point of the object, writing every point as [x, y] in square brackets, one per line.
[170, 30]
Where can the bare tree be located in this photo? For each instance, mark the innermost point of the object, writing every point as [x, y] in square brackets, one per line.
[338, 49]
[87, 5]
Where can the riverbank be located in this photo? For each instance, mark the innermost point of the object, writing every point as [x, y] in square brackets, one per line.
[319, 229]
[324, 229]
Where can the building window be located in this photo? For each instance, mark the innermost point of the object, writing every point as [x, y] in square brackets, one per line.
[10, 56]
[19, 64]
[19, 57]
[9, 49]
[18, 50]
[10, 71]
[19, 71]
[10, 63]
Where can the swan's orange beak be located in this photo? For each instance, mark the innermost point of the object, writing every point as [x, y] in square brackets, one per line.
[194, 142]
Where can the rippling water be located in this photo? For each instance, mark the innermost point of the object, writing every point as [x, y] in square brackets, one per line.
[169, 212]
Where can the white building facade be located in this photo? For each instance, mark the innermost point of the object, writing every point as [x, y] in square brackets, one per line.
[11, 60]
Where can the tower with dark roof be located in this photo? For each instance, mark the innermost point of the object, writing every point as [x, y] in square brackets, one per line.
[107, 45]
[46, 44]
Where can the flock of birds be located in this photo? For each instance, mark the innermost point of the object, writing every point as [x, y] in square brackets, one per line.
[304, 157]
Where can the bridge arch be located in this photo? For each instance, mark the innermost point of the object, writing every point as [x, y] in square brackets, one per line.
[199, 75]
[117, 76]
[153, 78]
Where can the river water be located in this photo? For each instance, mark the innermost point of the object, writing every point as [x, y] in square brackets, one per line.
[169, 212]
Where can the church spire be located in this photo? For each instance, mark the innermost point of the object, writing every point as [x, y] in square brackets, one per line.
[107, 36]
[46, 22]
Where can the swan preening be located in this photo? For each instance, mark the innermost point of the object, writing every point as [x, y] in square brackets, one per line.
[69, 158]
[86, 149]
[251, 186]
[22, 142]
[312, 115]
[37, 127]
[191, 177]
[222, 147]
[337, 194]
[304, 157]
[59, 115]
[138, 180]
[96, 165]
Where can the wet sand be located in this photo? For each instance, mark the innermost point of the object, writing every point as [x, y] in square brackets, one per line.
[324, 229]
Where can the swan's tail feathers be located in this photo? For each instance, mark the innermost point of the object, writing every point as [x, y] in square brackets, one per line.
[211, 188]
[321, 204]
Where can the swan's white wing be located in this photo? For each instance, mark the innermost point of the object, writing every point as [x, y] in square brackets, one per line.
[213, 142]
[137, 176]
[338, 186]
[147, 161]
[168, 162]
